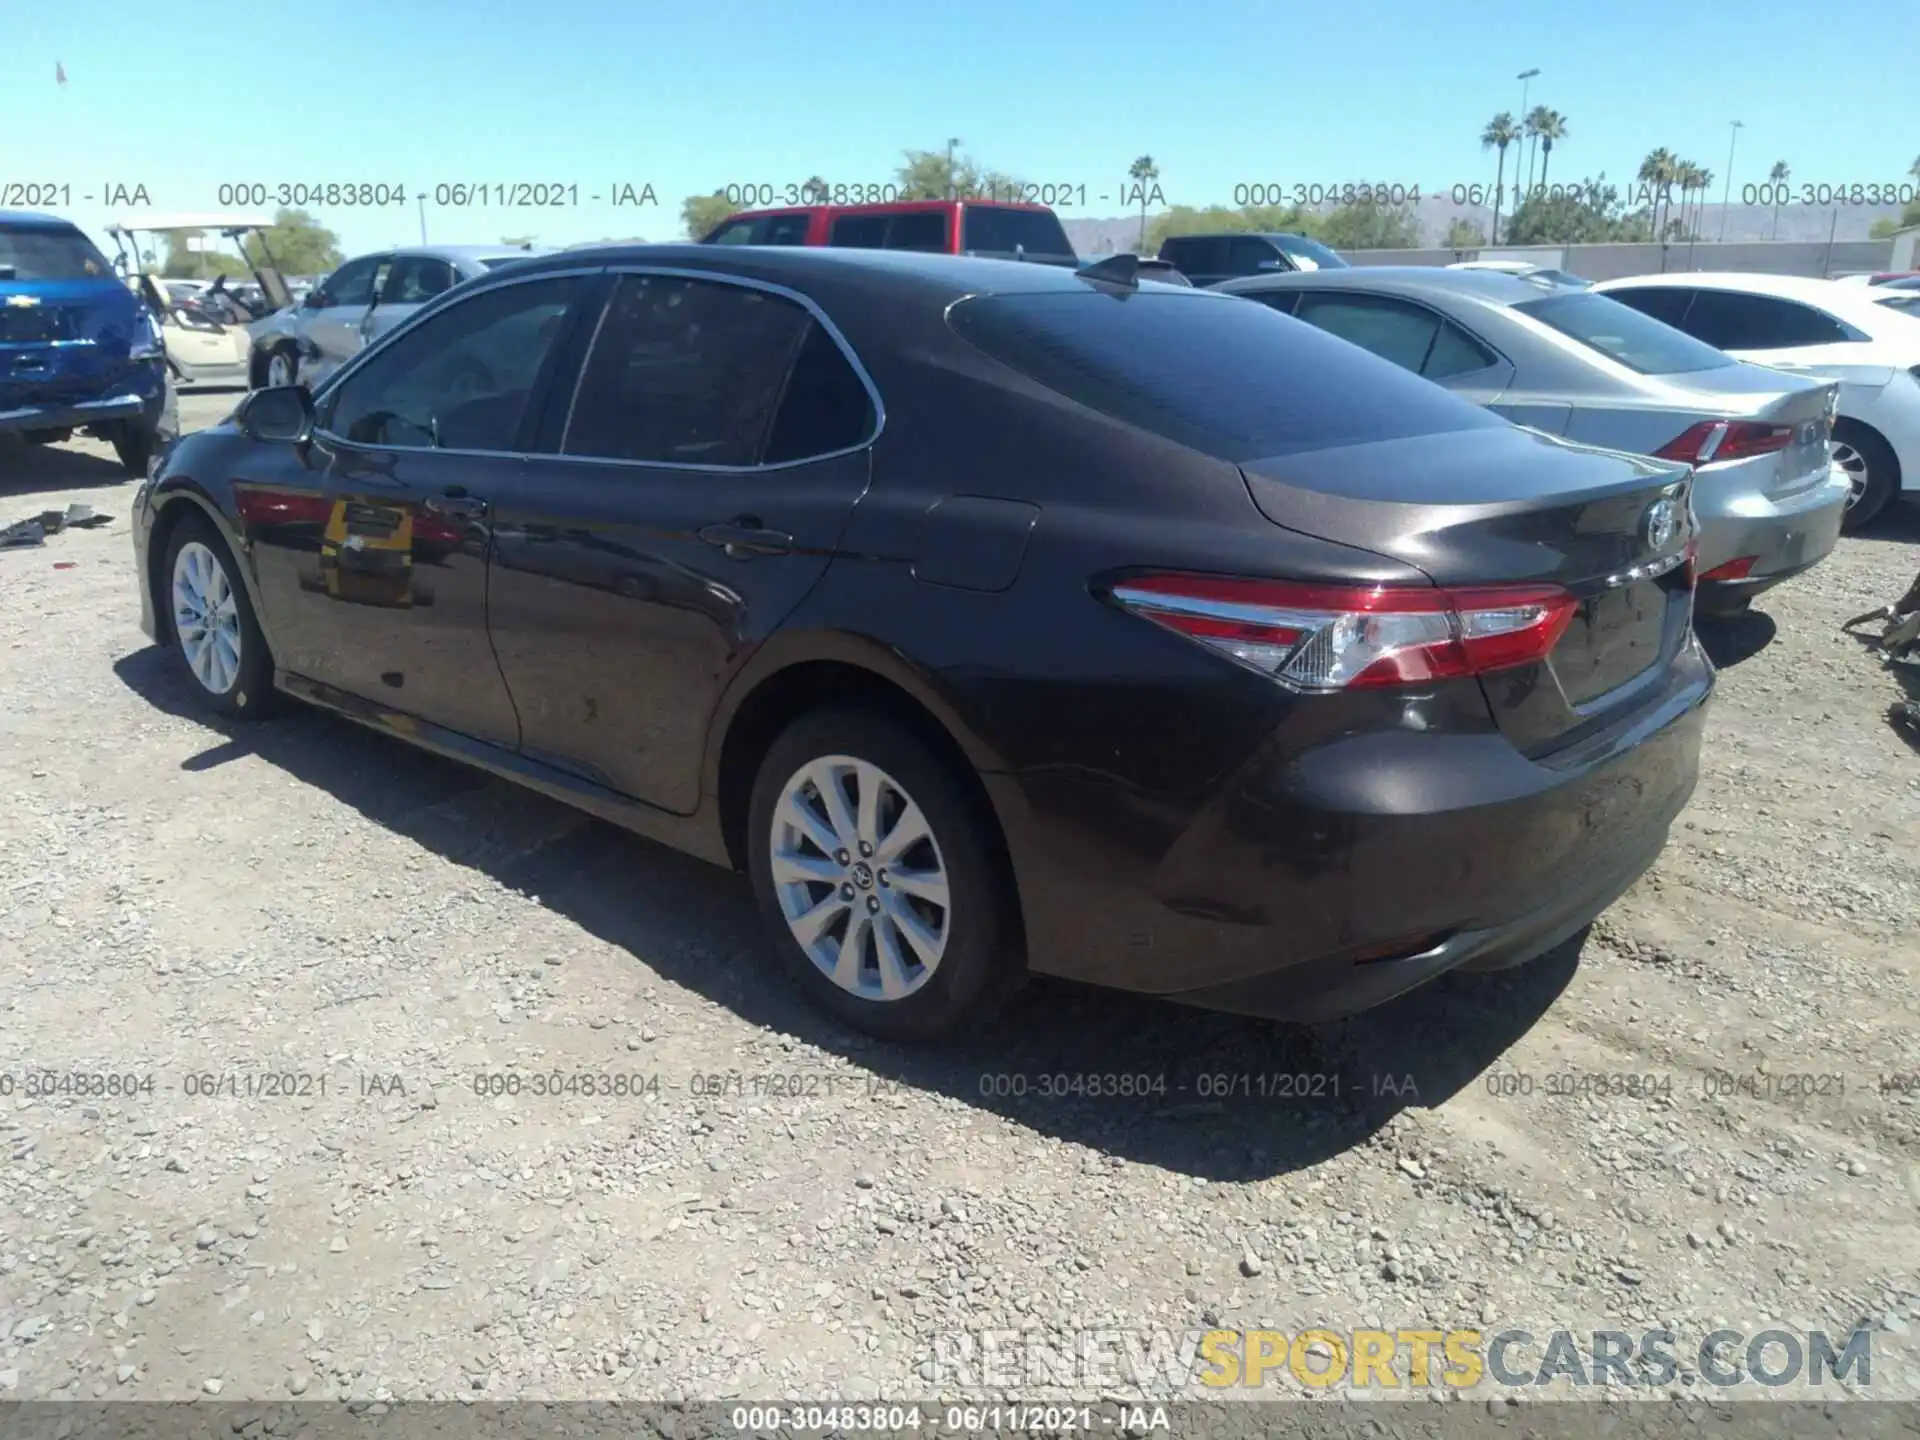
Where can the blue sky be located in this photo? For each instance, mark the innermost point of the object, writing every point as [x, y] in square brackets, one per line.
[685, 98]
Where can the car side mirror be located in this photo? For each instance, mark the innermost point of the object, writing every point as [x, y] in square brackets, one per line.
[279, 412]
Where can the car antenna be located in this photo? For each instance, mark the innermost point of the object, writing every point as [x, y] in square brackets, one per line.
[1121, 269]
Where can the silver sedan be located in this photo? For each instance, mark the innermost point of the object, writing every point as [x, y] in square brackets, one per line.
[1566, 360]
[360, 302]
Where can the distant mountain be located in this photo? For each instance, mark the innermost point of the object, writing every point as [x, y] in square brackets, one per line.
[1801, 223]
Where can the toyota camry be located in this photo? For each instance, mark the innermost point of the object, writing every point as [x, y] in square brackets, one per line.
[996, 619]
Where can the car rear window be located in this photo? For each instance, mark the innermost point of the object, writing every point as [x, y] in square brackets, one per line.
[1624, 335]
[49, 252]
[996, 230]
[1227, 378]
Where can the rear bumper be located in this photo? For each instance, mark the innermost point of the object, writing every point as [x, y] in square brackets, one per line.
[72, 417]
[227, 372]
[1787, 534]
[1316, 883]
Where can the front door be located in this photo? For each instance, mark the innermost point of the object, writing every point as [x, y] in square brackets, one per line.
[371, 548]
[334, 323]
[703, 472]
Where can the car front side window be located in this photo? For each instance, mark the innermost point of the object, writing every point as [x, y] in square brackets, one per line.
[460, 381]
[353, 283]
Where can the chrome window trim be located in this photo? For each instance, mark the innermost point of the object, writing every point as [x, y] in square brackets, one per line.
[805, 302]
[426, 312]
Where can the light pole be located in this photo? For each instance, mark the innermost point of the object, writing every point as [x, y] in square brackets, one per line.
[423, 216]
[1523, 77]
[1727, 202]
[950, 148]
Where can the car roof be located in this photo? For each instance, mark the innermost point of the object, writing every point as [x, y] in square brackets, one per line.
[1493, 287]
[460, 252]
[1240, 234]
[37, 218]
[906, 273]
[1787, 287]
[883, 207]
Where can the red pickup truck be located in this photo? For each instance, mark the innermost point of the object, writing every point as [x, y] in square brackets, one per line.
[943, 227]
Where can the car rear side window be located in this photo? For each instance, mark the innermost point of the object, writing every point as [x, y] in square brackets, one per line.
[49, 252]
[825, 407]
[1002, 230]
[859, 232]
[685, 372]
[460, 380]
[1732, 320]
[1623, 334]
[924, 230]
[1665, 303]
[1210, 371]
[1390, 329]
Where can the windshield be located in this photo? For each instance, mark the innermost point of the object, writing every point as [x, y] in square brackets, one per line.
[1624, 335]
[996, 230]
[1225, 376]
[1309, 254]
[49, 252]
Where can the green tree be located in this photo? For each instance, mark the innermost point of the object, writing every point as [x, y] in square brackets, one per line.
[1657, 174]
[1593, 214]
[299, 244]
[185, 263]
[816, 191]
[700, 213]
[1369, 225]
[1463, 234]
[1553, 129]
[1143, 172]
[1530, 131]
[1499, 134]
[1777, 177]
[923, 176]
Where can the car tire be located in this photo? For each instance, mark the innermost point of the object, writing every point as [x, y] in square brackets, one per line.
[1871, 469]
[282, 367]
[134, 442]
[233, 674]
[953, 963]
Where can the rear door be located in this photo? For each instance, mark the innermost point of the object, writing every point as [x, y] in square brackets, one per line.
[691, 490]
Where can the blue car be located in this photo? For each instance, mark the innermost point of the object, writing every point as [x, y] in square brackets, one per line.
[78, 349]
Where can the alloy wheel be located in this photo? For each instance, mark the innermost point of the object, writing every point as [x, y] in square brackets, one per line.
[860, 878]
[206, 617]
[1855, 464]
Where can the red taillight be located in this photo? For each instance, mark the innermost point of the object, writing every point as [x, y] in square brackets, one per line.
[277, 507]
[1328, 637]
[1714, 440]
[1733, 569]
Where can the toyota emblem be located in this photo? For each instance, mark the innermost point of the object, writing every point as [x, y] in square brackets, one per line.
[1660, 524]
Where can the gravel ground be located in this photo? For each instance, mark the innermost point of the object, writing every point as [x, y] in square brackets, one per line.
[766, 1206]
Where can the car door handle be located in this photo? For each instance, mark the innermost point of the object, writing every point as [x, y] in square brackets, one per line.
[744, 537]
[463, 507]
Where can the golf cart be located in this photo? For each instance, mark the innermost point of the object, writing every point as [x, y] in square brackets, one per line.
[205, 334]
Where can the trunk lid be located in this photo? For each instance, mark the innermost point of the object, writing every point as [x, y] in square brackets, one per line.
[1806, 405]
[57, 338]
[1506, 505]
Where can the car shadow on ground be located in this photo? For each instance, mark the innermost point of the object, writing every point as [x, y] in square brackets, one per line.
[1730, 639]
[1225, 1098]
[27, 469]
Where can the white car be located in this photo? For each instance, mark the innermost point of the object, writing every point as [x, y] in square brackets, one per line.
[1819, 328]
[1520, 267]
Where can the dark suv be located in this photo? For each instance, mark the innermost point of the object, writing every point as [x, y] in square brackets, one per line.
[78, 349]
[1209, 259]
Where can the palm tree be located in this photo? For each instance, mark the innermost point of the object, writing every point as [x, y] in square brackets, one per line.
[1914, 169]
[1777, 177]
[1553, 126]
[1535, 118]
[1499, 134]
[1657, 173]
[1143, 172]
[1701, 180]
